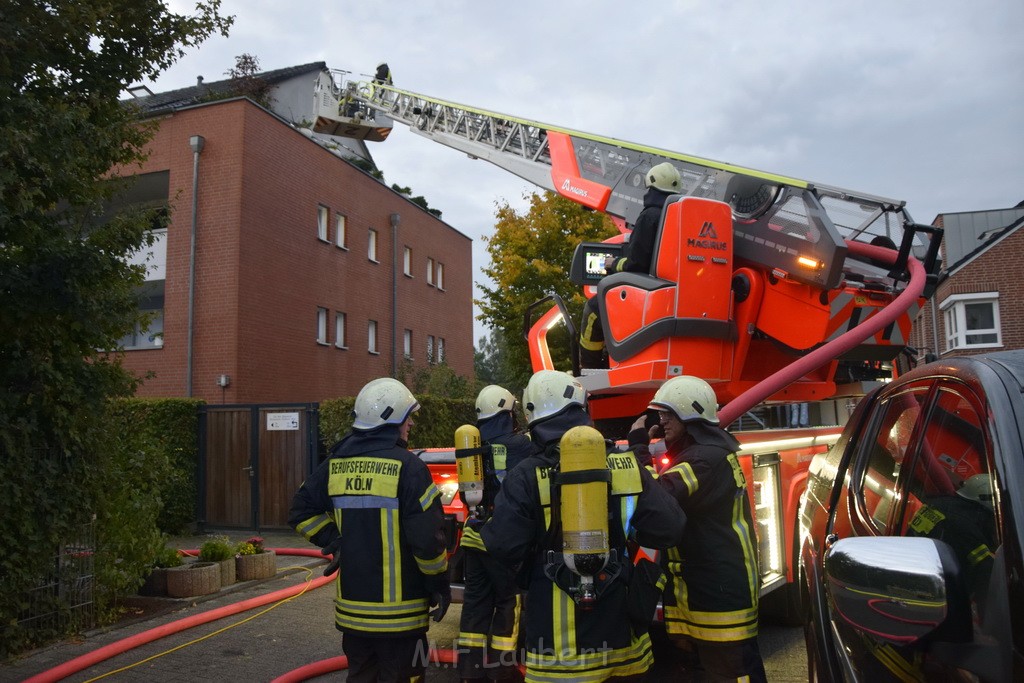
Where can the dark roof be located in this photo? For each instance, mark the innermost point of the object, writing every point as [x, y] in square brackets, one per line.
[197, 93]
[992, 238]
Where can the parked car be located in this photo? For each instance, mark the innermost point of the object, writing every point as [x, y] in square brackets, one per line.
[912, 530]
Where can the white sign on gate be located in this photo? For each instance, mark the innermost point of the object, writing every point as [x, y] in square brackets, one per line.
[282, 422]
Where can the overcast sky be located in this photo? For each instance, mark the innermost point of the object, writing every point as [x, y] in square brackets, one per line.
[910, 99]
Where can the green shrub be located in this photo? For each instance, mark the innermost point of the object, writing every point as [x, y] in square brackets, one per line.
[167, 557]
[436, 420]
[216, 550]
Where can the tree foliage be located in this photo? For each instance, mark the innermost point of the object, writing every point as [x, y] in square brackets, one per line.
[530, 257]
[245, 82]
[67, 290]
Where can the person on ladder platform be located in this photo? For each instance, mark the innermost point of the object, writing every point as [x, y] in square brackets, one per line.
[661, 181]
[566, 513]
[491, 606]
[373, 508]
[711, 602]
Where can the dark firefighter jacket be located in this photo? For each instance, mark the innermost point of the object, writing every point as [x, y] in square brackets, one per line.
[563, 641]
[640, 248]
[509, 448]
[713, 573]
[380, 499]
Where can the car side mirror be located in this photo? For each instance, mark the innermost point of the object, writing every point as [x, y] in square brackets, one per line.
[898, 590]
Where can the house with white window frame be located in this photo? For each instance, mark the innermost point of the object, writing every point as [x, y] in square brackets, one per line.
[979, 301]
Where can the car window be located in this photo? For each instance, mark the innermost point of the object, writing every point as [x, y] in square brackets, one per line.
[888, 444]
[949, 490]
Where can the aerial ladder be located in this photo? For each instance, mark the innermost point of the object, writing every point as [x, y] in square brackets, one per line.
[771, 288]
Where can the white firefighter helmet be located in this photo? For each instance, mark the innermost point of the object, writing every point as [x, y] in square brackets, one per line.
[492, 400]
[690, 398]
[979, 489]
[550, 392]
[664, 177]
[383, 401]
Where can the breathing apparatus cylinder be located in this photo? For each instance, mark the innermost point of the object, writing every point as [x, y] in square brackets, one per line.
[469, 461]
[583, 480]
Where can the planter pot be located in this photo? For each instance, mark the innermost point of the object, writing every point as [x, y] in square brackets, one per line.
[227, 571]
[156, 583]
[198, 578]
[259, 566]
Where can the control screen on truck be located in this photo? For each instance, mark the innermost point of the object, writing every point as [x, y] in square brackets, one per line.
[588, 261]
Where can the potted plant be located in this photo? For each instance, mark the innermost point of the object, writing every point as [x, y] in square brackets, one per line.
[196, 578]
[220, 551]
[253, 561]
[156, 582]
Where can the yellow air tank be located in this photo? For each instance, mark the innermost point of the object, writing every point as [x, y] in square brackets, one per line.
[583, 481]
[469, 461]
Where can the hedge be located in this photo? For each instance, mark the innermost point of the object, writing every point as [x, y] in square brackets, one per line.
[435, 421]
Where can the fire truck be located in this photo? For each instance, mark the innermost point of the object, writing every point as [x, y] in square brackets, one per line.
[773, 289]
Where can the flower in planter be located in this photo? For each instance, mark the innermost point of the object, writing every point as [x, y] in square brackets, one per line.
[253, 546]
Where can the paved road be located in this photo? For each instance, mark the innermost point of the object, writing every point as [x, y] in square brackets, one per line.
[264, 643]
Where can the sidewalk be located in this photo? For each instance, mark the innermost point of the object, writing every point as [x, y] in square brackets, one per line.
[259, 644]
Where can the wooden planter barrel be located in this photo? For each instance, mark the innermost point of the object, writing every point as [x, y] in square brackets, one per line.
[198, 578]
[259, 566]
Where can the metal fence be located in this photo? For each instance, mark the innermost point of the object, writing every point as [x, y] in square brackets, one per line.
[63, 601]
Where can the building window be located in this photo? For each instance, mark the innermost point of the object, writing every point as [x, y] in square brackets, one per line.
[371, 337]
[430, 271]
[407, 262]
[371, 246]
[340, 338]
[340, 232]
[407, 344]
[430, 348]
[321, 325]
[440, 275]
[146, 335]
[440, 350]
[972, 321]
[322, 214]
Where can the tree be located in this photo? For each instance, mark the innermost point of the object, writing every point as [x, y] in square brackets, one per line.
[419, 200]
[66, 288]
[530, 257]
[245, 81]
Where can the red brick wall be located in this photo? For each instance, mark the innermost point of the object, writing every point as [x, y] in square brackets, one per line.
[996, 270]
[262, 272]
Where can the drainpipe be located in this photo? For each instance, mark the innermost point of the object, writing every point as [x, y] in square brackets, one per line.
[196, 142]
[395, 218]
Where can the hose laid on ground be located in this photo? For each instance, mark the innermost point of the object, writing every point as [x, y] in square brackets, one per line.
[119, 647]
[326, 666]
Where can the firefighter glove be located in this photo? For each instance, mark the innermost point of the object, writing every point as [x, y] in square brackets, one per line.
[440, 595]
[332, 550]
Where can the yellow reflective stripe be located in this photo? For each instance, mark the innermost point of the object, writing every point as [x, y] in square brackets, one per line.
[499, 456]
[925, 520]
[717, 634]
[390, 559]
[586, 336]
[544, 486]
[466, 639]
[472, 539]
[563, 621]
[715, 618]
[511, 641]
[435, 566]
[311, 526]
[410, 623]
[553, 666]
[897, 665]
[980, 554]
[385, 616]
[685, 472]
[744, 533]
[428, 496]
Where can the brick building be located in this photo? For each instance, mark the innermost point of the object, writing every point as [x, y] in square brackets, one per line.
[310, 276]
[979, 302]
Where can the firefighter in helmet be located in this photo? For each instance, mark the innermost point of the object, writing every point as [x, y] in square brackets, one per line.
[489, 628]
[373, 507]
[711, 603]
[575, 625]
[662, 181]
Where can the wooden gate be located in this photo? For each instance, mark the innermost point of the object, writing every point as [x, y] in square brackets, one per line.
[252, 459]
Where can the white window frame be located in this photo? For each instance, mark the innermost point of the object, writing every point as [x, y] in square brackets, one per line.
[321, 325]
[440, 350]
[440, 276]
[340, 330]
[430, 271]
[323, 214]
[954, 316]
[407, 261]
[341, 231]
[407, 344]
[149, 337]
[430, 349]
[371, 246]
[371, 337]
